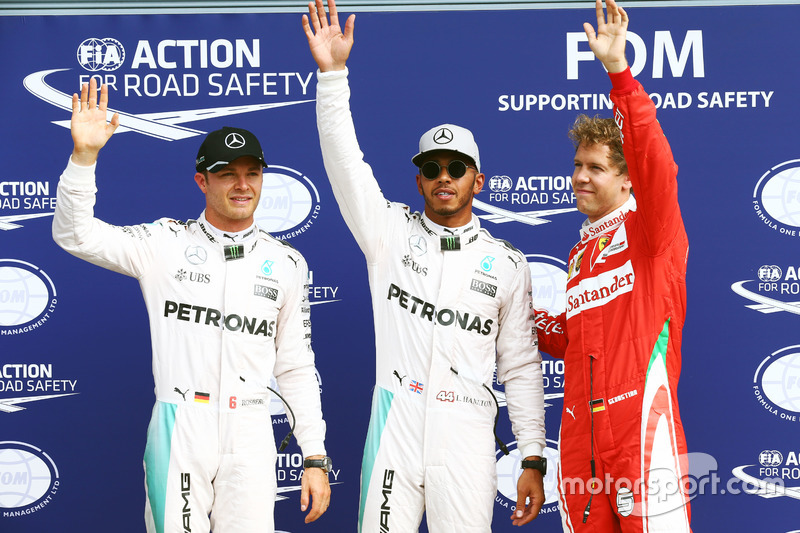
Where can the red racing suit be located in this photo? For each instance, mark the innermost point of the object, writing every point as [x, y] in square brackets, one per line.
[620, 338]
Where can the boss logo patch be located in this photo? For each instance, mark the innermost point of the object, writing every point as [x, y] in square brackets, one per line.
[483, 288]
[266, 292]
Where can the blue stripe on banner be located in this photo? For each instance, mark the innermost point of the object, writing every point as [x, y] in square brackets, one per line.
[381, 403]
[156, 459]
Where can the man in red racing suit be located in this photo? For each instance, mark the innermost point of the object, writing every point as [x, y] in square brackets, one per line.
[622, 445]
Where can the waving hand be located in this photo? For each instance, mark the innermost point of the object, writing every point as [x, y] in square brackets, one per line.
[90, 129]
[608, 44]
[329, 46]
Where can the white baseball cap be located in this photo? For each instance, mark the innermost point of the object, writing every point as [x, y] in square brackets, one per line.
[448, 137]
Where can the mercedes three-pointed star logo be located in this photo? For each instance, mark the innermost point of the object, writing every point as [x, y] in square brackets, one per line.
[234, 141]
[196, 255]
[418, 245]
[443, 136]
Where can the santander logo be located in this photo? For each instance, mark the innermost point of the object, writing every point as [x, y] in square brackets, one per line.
[600, 289]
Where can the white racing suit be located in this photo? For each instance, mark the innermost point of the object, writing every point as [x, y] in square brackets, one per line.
[220, 329]
[447, 307]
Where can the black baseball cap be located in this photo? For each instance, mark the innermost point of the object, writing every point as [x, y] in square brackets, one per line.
[225, 145]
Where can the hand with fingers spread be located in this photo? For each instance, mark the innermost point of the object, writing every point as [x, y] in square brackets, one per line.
[608, 44]
[314, 486]
[90, 128]
[329, 46]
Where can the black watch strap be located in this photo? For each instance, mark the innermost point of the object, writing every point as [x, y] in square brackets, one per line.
[325, 463]
[536, 464]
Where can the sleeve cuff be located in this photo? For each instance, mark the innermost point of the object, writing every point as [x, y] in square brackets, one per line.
[623, 82]
[78, 176]
[332, 74]
[532, 448]
[315, 447]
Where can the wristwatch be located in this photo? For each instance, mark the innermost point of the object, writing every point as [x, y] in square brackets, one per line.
[325, 464]
[536, 464]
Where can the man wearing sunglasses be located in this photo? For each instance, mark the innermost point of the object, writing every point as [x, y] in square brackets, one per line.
[623, 461]
[450, 302]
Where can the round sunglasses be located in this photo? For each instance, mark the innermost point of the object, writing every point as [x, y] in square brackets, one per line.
[431, 169]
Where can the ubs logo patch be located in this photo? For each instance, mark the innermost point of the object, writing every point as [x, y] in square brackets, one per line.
[408, 262]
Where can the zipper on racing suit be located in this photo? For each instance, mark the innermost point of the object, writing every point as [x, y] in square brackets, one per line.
[591, 436]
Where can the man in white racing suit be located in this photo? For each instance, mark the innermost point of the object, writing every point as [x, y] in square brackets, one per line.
[228, 309]
[449, 302]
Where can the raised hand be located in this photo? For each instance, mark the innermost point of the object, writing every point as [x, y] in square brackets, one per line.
[90, 129]
[608, 44]
[329, 46]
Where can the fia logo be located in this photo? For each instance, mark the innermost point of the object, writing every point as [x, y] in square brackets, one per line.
[500, 183]
[105, 54]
